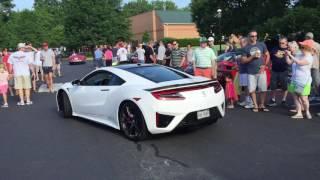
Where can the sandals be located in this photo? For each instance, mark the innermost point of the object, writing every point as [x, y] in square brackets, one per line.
[297, 116]
[264, 109]
[255, 110]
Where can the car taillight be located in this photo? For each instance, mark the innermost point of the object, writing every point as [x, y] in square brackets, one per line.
[168, 95]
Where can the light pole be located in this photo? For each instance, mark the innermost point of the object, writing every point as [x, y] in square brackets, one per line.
[219, 16]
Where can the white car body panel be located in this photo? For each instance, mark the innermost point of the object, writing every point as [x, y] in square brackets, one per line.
[101, 103]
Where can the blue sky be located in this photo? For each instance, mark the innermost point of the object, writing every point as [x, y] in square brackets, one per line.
[27, 4]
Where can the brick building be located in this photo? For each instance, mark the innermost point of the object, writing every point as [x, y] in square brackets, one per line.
[160, 24]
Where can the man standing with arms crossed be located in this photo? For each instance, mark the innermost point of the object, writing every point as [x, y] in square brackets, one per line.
[48, 62]
[253, 55]
[21, 66]
[204, 61]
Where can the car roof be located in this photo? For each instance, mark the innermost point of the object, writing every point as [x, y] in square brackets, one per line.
[129, 66]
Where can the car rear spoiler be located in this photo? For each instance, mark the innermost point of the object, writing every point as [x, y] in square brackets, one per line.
[187, 85]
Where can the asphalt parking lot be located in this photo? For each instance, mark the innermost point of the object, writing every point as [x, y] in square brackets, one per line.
[37, 143]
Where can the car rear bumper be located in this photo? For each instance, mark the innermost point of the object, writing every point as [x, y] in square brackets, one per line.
[183, 114]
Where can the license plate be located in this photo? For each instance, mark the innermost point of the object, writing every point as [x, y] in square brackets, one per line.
[203, 114]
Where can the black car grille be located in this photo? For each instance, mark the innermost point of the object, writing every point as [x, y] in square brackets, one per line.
[192, 120]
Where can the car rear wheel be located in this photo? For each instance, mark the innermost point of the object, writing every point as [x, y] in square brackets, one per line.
[65, 106]
[132, 122]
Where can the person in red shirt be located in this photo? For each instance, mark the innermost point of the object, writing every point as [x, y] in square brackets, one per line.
[7, 65]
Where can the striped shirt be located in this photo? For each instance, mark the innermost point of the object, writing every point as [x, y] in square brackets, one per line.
[176, 57]
[203, 57]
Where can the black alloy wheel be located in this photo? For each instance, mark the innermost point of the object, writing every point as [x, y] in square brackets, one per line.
[132, 122]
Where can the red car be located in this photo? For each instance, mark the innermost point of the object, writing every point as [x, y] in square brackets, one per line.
[77, 58]
[228, 64]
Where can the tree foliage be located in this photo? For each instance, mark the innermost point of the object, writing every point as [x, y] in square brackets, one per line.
[6, 7]
[136, 7]
[238, 16]
[94, 22]
[295, 21]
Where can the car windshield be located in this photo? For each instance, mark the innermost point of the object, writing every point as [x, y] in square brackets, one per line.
[157, 74]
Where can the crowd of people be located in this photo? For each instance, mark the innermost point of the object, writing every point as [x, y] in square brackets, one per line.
[21, 70]
[293, 67]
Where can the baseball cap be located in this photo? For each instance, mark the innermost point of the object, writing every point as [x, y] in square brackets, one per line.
[309, 35]
[45, 44]
[203, 40]
[21, 45]
[307, 43]
[210, 39]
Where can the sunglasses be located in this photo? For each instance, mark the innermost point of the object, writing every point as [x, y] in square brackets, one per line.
[174, 44]
[282, 43]
[253, 36]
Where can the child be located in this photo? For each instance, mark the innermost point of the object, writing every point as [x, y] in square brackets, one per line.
[4, 77]
[231, 94]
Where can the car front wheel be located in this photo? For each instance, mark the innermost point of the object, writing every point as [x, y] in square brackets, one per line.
[132, 122]
[65, 105]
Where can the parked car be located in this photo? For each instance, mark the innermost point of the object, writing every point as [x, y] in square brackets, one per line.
[77, 58]
[139, 99]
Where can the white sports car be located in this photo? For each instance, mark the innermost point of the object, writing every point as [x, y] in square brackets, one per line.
[141, 99]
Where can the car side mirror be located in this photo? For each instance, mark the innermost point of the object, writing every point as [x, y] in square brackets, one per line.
[76, 82]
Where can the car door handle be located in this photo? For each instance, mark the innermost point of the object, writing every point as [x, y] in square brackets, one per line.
[104, 90]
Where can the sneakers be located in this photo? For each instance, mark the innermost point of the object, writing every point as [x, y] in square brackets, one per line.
[243, 103]
[272, 103]
[249, 106]
[5, 105]
[20, 104]
[29, 103]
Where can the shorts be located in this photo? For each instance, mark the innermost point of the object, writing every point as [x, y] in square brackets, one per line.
[11, 82]
[98, 63]
[257, 81]
[47, 69]
[204, 72]
[279, 78]
[243, 80]
[161, 62]
[305, 91]
[22, 82]
[4, 88]
[108, 63]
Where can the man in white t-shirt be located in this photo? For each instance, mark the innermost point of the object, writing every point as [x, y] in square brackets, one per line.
[122, 54]
[21, 65]
[140, 51]
[161, 54]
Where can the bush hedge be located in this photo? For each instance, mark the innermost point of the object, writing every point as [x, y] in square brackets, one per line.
[182, 42]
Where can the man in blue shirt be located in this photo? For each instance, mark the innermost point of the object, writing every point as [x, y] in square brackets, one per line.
[98, 55]
[256, 56]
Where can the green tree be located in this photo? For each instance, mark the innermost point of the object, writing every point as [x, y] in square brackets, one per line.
[6, 7]
[238, 16]
[308, 3]
[133, 8]
[296, 20]
[164, 5]
[146, 37]
[88, 23]
[136, 7]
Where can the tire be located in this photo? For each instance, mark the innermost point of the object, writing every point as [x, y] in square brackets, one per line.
[65, 107]
[132, 122]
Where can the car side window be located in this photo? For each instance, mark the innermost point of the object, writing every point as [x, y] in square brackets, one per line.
[102, 78]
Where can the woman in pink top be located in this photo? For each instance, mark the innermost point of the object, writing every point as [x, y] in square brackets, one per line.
[4, 77]
[108, 56]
